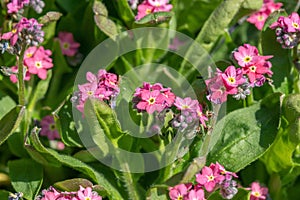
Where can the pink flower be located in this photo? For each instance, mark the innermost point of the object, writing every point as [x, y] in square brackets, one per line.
[256, 71]
[195, 195]
[209, 178]
[39, 63]
[15, 5]
[49, 128]
[50, 194]
[54, 144]
[217, 90]
[258, 192]
[14, 78]
[151, 101]
[179, 191]
[200, 115]
[292, 23]
[67, 44]
[258, 18]
[186, 104]
[87, 194]
[246, 55]
[169, 98]
[151, 6]
[232, 78]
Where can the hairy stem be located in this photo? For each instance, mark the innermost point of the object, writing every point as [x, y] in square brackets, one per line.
[21, 92]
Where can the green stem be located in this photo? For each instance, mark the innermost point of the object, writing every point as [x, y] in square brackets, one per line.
[200, 161]
[21, 92]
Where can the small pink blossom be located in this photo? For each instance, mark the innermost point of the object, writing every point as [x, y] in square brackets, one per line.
[15, 5]
[209, 178]
[179, 191]
[49, 128]
[202, 117]
[39, 63]
[67, 44]
[186, 103]
[151, 101]
[195, 195]
[258, 192]
[259, 18]
[246, 55]
[14, 78]
[87, 194]
[217, 90]
[151, 6]
[232, 78]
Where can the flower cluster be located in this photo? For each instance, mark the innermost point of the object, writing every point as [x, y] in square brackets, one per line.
[152, 6]
[257, 191]
[81, 194]
[209, 179]
[103, 86]
[151, 98]
[16, 6]
[258, 18]
[155, 98]
[67, 44]
[26, 31]
[238, 81]
[287, 30]
[36, 61]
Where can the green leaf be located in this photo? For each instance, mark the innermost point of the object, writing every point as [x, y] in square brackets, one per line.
[245, 134]
[26, 177]
[9, 104]
[157, 17]
[16, 145]
[10, 122]
[66, 125]
[49, 17]
[217, 22]
[70, 5]
[106, 25]
[4, 194]
[77, 165]
[124, 11]
[100, 9]
[291, 107]
[252, 5]
[281, 64]
[72, 184]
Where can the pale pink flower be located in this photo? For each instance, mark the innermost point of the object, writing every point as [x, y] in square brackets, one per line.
[50, 194]
[258, 192]
[179, 191]
[49, 128]
[257, 70]
[209, 178]
[195, 195]
[246, 55]
[217, 90]
[151, 6]
[201, 116]
[87, 194]
[15, 5]
[14, 78]
[67, 44]
[186, 104]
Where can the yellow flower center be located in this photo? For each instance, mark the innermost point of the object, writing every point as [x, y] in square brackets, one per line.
[29, 55]
[151, 100]
[295, 25]
[185, 107]
[90, 93]
[14, 31]
[247, 59]
[252, 68]
[38, 64]
[256, 194]
[148, 11]
[180, 197]
[210, 178]
[260, 18]
[231, 80]
[66, 45]
[52, 127]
